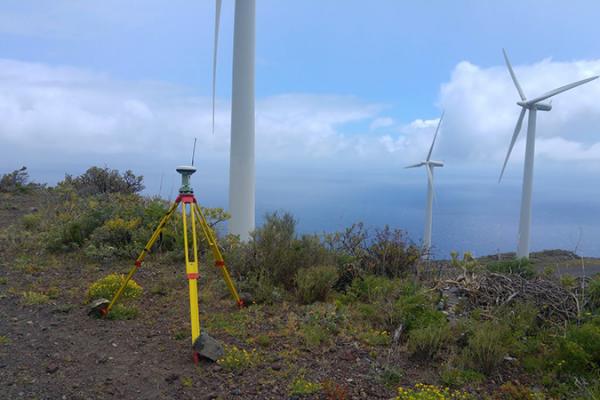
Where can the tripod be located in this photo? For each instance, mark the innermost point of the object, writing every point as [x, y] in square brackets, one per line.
[188, 202]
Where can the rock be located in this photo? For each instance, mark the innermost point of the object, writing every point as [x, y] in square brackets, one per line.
[246, 298]
[276, 367]
[97, 307]
[172, 378]
[51, 368]
[208, 347]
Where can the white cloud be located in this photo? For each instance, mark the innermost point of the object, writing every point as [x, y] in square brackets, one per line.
[67, 111]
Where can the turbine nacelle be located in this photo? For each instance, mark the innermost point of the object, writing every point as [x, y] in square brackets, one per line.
[537, 106]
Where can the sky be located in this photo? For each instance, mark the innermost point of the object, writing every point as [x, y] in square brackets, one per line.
[347, 94]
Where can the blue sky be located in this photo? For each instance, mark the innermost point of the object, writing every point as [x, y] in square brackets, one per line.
[348, 92]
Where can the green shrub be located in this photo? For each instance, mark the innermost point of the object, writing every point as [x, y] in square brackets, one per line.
[391, 376]
[236, 359]
[593, 292]
[98, 180]
[487, 346]
[34, 298]
[277, 253]
[521, 266]
[374, 337]
[314, 283]
[431, 392]
[456, 377]
[372, 288]
[31, 221]
[16, 181]
[390, 253]
[106, 288]
[579, 351]
[427, 342]
[122, 312]
[314, 334]
[301, 387]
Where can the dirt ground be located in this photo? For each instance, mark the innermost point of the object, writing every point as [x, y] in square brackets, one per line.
[55, 350]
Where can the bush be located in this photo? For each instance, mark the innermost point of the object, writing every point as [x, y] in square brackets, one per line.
[487, 346]
[522, 267]
[372, 288]
[301, 387]
[579, 352]
[391, 254]
[15, 181]
[431, 392]
[122, 312]
[106, 288]
[98, 180]
[236, 359]
[593, 292]
[426, 342]
[314, 283]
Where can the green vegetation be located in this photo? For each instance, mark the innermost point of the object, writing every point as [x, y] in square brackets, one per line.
[107, 287]
[315, 283]
[236, 359]
[34, 298]
[358, 291]
[300, 387]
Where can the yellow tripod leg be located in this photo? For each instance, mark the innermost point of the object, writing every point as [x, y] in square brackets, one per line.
[219, 261]
[191, 267]
[140, 258]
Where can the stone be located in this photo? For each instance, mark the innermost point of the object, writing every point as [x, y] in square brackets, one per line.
[52, 368]
[97, 306]
[208, 347]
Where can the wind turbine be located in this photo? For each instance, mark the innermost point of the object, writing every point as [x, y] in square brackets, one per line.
[532, 106]
[241, 161]
[429, 166]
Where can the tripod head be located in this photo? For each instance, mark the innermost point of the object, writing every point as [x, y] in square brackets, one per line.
[186, 172]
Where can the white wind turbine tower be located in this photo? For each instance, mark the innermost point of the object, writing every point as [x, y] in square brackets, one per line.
[429, 166]
[532, 106]
[241, 162]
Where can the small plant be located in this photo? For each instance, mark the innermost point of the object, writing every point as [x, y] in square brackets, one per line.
[34, 298]
[263, 340]
[3, 280]
[314, 334]
[374, 337]
[314, 283]
[516, 391]
[187, 381]
[334, 391]
[236, 359]
[122, 312]
[301, 386]
[520, 266]
[106, 288]
[593, 290]
[455, 377]
[431, 392]
[426, 342]
[487, 347]
[4, 340]
[391, 376]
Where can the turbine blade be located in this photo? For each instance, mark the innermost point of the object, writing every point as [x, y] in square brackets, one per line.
[513, 140]
[415, 165]
[561, 89]
[214, 69]
[435, 136]
[513, 76]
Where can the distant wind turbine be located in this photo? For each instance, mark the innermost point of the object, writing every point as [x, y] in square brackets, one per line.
[241, 161]
[429, 166]
[532, 106]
